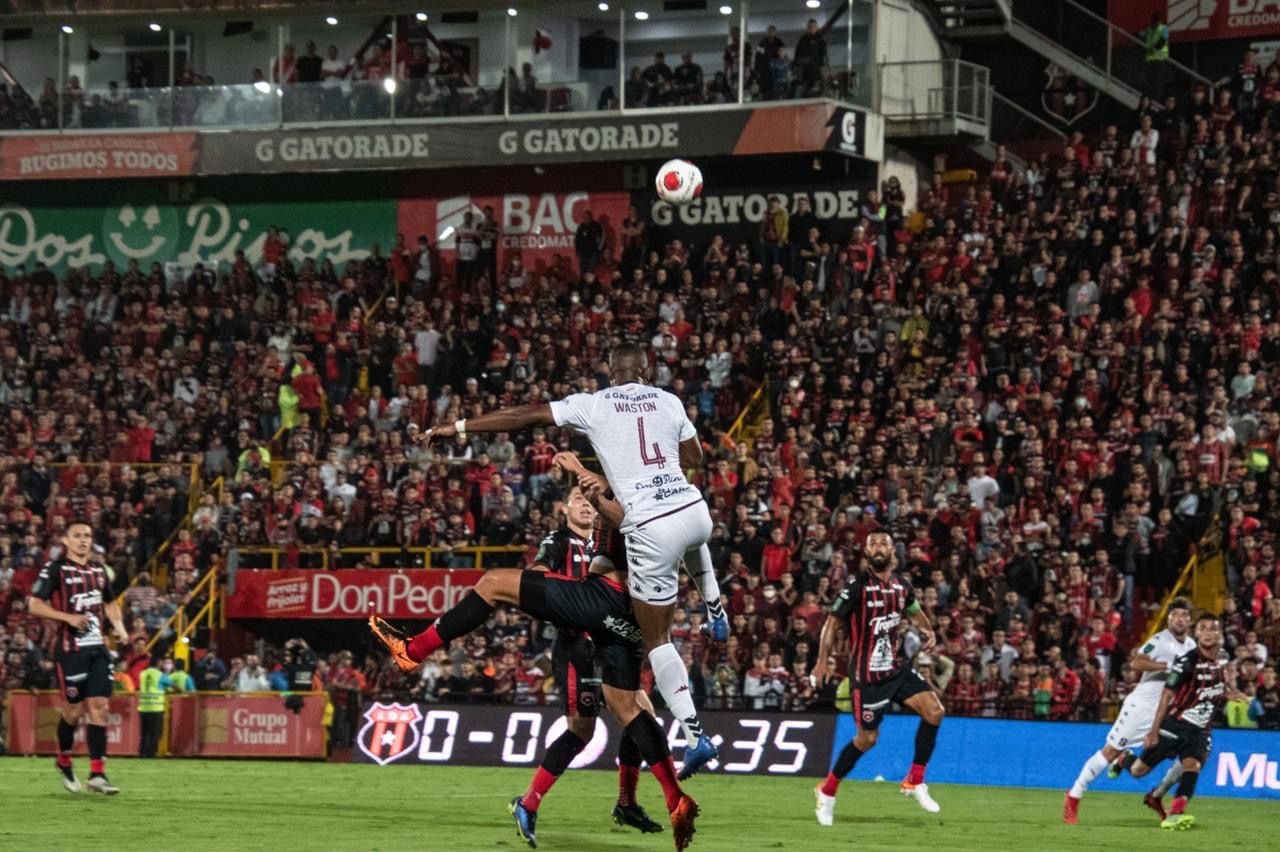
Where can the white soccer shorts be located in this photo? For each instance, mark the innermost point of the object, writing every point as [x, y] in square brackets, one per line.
[656, 546]
[1133, 723]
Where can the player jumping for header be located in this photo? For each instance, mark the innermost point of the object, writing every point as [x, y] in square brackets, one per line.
[597, 604]
[644, 441]
[873, 605]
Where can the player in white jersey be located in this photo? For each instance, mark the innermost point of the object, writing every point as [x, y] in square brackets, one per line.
[644, 441]
[1139, 709]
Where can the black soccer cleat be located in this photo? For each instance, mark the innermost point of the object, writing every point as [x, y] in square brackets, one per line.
[635, 816]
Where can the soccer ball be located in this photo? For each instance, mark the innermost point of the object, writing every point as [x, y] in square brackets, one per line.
[679, 182]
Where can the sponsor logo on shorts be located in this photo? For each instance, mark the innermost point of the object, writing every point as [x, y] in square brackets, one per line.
[72, 692]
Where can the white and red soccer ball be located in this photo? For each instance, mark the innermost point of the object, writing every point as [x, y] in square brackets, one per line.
[678, 182]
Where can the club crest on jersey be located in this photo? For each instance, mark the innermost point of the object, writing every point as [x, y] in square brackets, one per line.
[390, 732]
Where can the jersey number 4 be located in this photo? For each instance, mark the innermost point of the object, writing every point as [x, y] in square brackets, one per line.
[649, 453]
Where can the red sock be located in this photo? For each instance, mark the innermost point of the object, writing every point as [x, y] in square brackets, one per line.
[628, 777]
[96, 767]
[916, 775]
[424, 644]
[830, 786]
[1179, 805]
[665, 772]
[64, 759]
[542, 782]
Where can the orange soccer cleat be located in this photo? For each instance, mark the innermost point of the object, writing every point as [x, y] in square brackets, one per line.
[682, 822]
[394, 641]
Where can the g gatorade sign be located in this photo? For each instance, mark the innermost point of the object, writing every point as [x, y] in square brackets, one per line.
[348, 593]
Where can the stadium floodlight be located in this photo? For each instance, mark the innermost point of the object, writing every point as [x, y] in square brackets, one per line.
[421, 16]
[66, 28]
[726, 10]
[603, 7]
[813, 4]
[642, 16]
[512, 12]
[262, 87]
[445, 234]
[154, 27]
[389, 84]
[331, 21]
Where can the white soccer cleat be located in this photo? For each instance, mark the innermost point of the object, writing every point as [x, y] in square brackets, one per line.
[69, 781]
[100, 784]
[920, 792]
[825, 810]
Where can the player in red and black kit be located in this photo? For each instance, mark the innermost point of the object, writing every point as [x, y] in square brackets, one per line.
[1193, 694]
[598, 604]
[77, 591]
[873, 605]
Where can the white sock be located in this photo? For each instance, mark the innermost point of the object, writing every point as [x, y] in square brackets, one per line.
[1093, 767]
[697, 564]
[672, 679]
[1170, 778]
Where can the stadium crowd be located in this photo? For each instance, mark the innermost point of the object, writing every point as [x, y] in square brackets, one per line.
[1048, 385]
[427, 80]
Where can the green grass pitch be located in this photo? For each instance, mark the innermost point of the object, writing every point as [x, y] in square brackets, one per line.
[239, 806]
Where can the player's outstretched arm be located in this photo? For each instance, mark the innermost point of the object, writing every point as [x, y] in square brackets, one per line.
[505, 420]
[596, 488]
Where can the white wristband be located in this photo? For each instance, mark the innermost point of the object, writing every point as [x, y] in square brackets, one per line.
[460, 426]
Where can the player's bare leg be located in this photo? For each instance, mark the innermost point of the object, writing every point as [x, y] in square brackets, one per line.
[672, 680]
[67, 724]
[825, 792]
[96, 735]
[1093, 767]
[931, 714]
[644, 730]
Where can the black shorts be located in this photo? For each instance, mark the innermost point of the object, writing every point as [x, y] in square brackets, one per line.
[596, 606]
[1179, 740]
[871, 700]
[85, 674]
[573, 659]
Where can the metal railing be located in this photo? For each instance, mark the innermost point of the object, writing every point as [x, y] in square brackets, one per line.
[1115, 53]
[1022, 132]
[1202, 579]
[180, 624]
[935, 90]
[417, 558]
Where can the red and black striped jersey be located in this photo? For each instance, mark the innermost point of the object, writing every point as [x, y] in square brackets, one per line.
[1199, 688]
[608, 544]
[565, 553]
[874, 610]
[82, 589]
